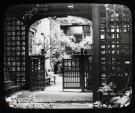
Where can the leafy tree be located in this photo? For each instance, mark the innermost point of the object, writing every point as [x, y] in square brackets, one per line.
[56, 44]
[55, 49]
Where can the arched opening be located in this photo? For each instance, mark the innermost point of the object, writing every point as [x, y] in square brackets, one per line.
[111, 51]
[59, 38]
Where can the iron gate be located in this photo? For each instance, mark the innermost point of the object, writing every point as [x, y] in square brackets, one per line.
[71, 77]
[76, 72]
[37, 72]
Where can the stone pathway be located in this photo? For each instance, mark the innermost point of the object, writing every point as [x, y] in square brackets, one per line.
[63, 97]
[52, 97]
[55, 87]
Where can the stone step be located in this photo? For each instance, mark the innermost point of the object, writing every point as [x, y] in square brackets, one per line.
[11, 89]
[63, 97]
[55, 105]
[8, 83]
[72, 106]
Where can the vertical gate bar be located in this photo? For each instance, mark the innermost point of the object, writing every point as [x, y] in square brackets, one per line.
[72, 75]
[81, 71]
[78, 74]
[68, 73]
[63, 72]
[75, 71]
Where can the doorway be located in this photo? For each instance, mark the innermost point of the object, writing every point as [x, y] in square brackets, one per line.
[57, 40]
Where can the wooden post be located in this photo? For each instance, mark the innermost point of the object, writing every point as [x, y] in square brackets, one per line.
[96, 49]
[63, 73]
[81, 66]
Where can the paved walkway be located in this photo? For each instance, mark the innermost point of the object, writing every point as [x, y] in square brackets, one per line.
[58, 86]
[55, 94]
[55, 87]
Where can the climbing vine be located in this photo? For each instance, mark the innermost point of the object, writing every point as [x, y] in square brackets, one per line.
[29, 14]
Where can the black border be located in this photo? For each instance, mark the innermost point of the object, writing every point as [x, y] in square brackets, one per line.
[6, 3]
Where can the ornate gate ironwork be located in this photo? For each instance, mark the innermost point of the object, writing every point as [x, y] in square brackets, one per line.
[71, 76]
[37, 72]
[77, 72]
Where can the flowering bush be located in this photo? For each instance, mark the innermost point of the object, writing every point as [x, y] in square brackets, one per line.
[117, 101]
[98, 104]
[122, 101]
